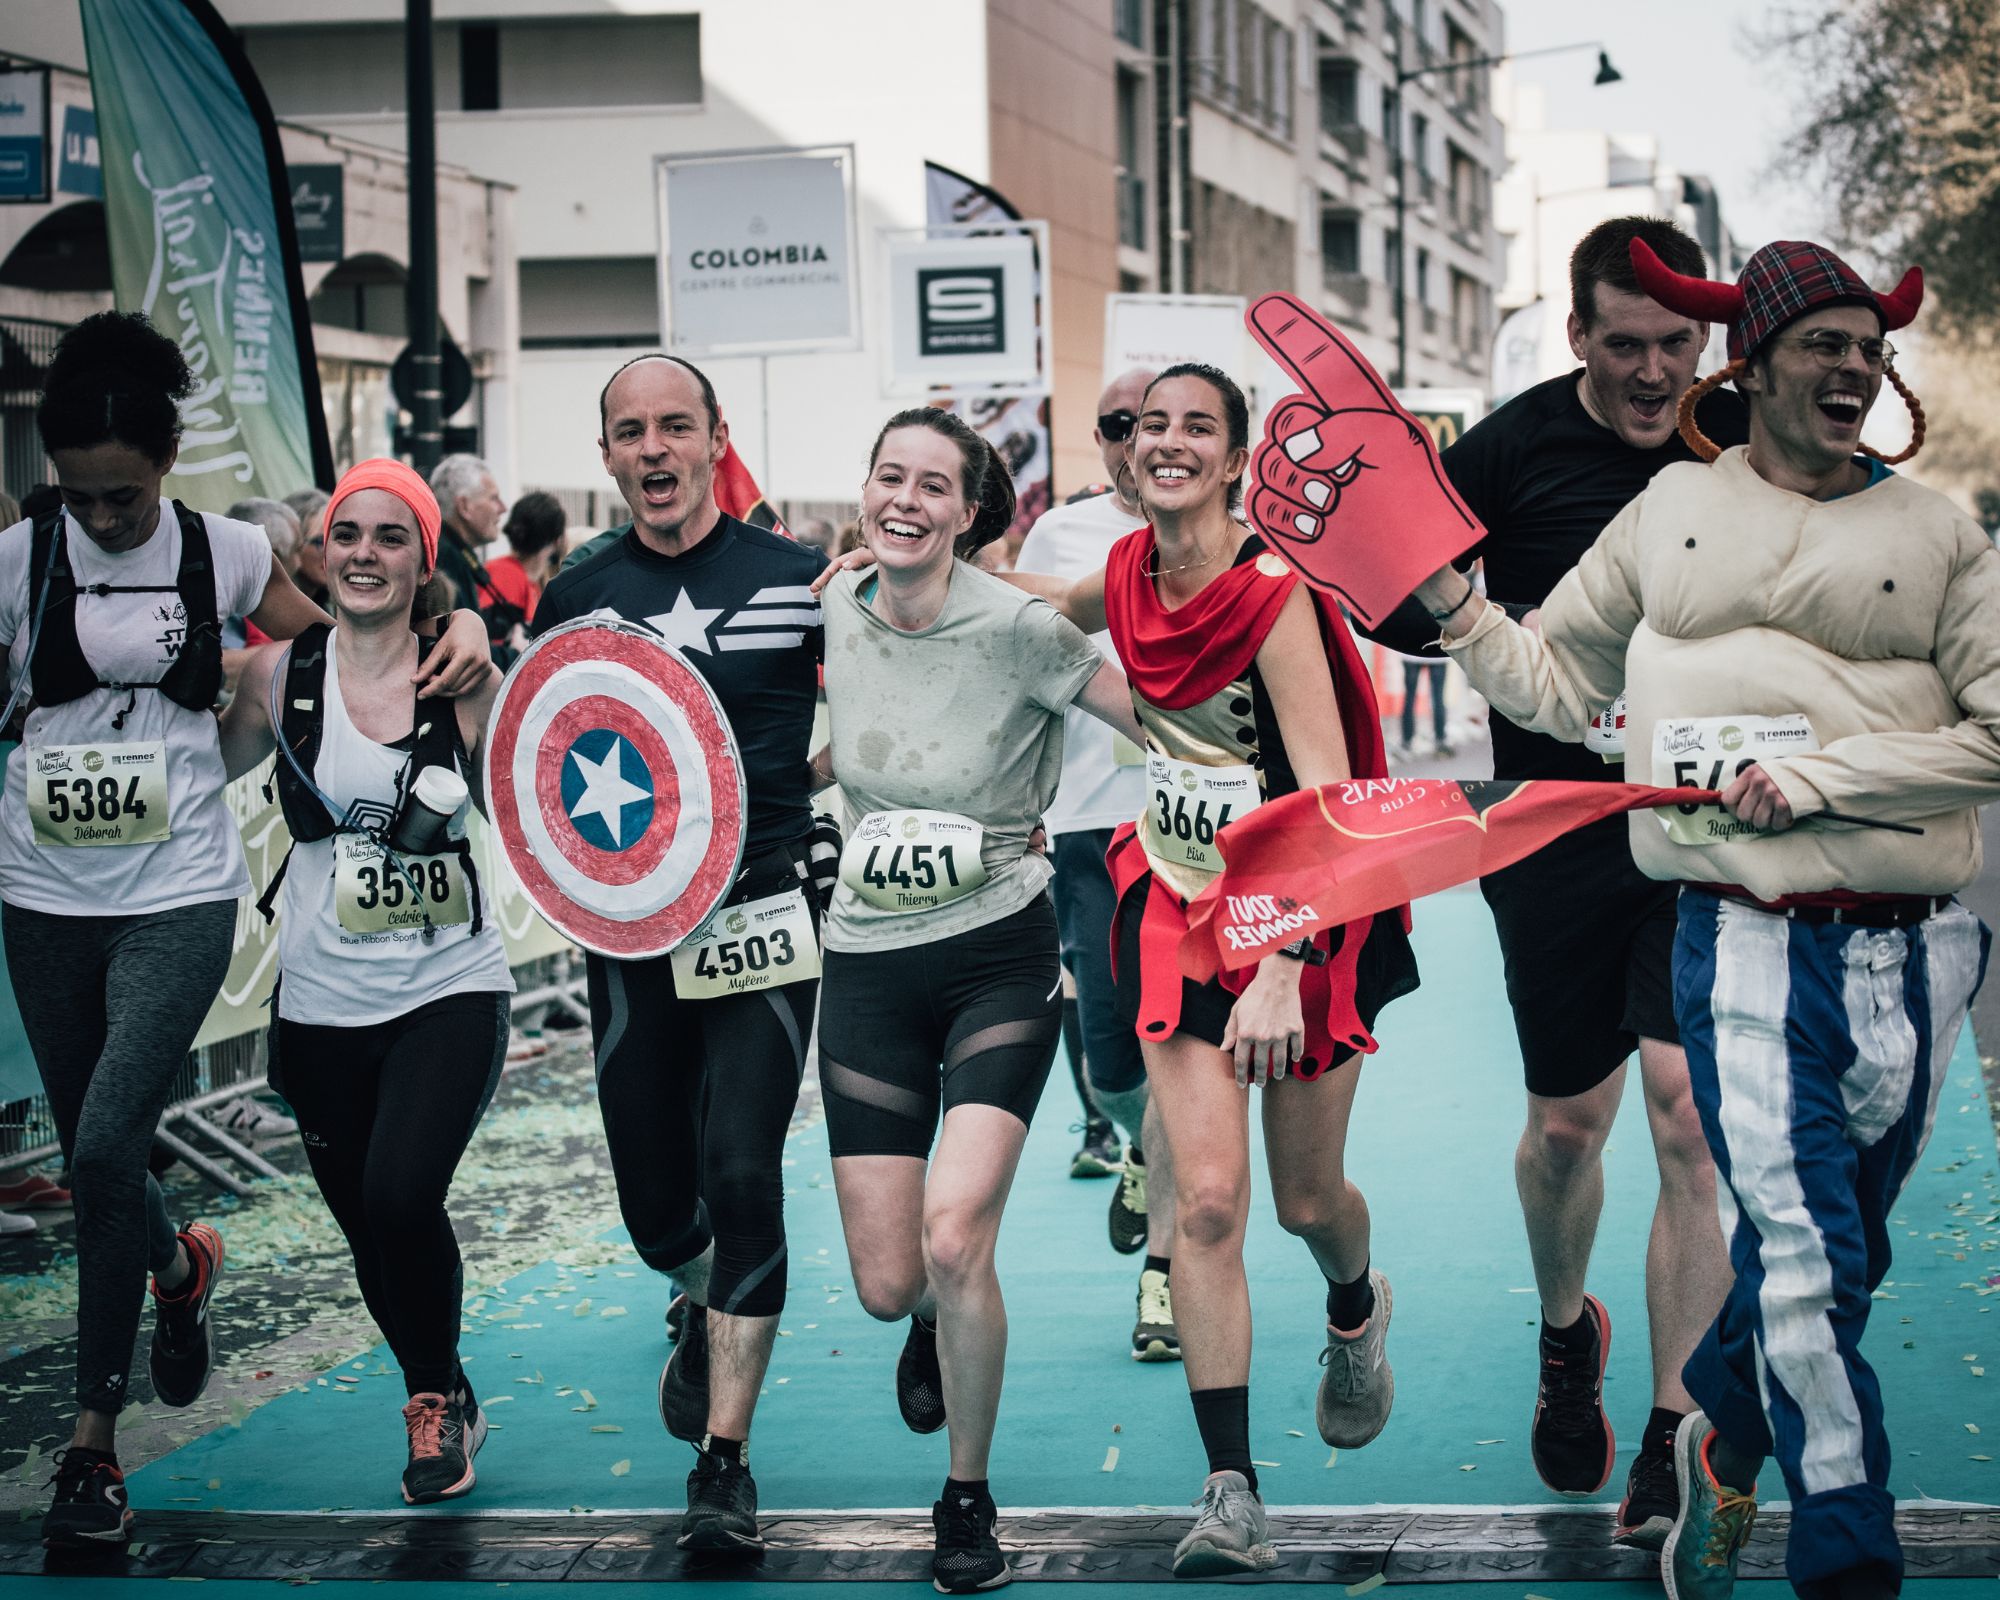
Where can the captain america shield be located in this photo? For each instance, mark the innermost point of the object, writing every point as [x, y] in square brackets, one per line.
[615, 786]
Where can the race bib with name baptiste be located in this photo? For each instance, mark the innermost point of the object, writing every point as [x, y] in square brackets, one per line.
[1190, 805]
[913, 860]
[371, 896]
[1711, 753]
[96, 794]
[756, 945]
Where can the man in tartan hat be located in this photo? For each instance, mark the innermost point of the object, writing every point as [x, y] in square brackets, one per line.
[1804, 629]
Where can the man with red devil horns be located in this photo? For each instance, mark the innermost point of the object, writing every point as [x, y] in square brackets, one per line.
[1800, 627]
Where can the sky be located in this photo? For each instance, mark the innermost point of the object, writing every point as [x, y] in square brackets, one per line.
[1691, 80]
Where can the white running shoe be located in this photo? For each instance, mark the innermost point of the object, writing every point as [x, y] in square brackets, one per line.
[1230, 1534]
[12, 1222]
[248, 1117]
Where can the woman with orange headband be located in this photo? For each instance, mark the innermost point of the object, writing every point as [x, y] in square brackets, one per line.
[393, 989]
[120, 864]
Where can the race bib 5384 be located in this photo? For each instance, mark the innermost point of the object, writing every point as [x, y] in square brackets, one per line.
[82, 794]
[913, 860]
[756, 945]
[1711, 753]
[1188, 805]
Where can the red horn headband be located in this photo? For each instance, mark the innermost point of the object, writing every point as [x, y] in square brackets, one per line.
[1899, 305]
[1691, 297]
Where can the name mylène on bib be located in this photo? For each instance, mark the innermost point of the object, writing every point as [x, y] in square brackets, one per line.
[758, 944]
[99, 794]
[1711, 753]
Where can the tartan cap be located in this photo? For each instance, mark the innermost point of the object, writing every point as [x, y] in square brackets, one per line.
[1780, 284]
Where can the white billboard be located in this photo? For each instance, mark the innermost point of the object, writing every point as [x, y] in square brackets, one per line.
[757, 251]
[1156, 330]
[963, 309]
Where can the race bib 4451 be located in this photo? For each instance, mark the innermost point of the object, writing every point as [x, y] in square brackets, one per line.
[1711, 753]
[98, 794]
[913, 860]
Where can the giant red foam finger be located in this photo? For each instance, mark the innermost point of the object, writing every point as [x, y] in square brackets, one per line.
[1392, 518]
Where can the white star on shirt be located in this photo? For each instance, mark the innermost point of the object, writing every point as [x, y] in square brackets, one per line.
[606, 791]
[686, 625]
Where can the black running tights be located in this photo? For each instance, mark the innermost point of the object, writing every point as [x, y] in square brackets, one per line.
[386, 1110]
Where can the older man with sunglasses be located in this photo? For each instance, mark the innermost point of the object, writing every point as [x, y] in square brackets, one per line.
[1103, 784]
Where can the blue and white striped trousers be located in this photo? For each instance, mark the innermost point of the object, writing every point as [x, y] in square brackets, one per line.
[1816, 1054]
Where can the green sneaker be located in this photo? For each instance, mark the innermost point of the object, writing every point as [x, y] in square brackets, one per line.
[1712, 1526]
[1128, 1207]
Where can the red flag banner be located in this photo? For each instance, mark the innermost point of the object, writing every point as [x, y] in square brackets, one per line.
[1344, 851]
[736, 492]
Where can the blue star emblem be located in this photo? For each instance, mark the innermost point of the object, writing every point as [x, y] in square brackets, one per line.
[607, 790]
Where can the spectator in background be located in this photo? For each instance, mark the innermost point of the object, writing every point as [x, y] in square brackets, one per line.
[472, 507]
[817, 532]
[309, 506]
[536, 528]
[10, 510]
[848, 538]
[1415, 670]
[281, 526]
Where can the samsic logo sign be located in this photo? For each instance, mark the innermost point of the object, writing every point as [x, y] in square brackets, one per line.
[961, 311]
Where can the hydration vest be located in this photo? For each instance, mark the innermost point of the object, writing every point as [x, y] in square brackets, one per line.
[301, 723]
[61, 674]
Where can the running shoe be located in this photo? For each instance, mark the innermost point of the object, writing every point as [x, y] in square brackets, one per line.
[920, 1380]
[1154, 1336]
[1359, 1386]
[17, 1222]
[1128, 1207]
[35, 1193]
[1098, 1157]
[183, 1333]
[966, 1557]
[90, 1510]
[1652, 1496]
[722, 1506]
[684, 1381]
[445, 1432]
[248, 1117]
[1573, 1445]
[1712, 1524]
[1230, 1534]
[677, 1315]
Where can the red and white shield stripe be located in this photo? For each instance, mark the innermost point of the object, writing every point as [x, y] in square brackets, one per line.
[614, 784]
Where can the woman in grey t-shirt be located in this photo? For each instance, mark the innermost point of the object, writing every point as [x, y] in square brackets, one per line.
[941, 989]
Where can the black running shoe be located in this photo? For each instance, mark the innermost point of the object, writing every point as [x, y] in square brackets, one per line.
[1128, 1207]
[90, 1511]
[445, 1433]
[684, 1381]
[183, 1336]
[966, 1557]
[920, 1381]
[722, 1506]
[677, 1315]
[1573, 1445]
[1098, 1155]
[1652, 1497]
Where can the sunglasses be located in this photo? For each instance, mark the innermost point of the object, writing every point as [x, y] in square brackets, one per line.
[1117, 426]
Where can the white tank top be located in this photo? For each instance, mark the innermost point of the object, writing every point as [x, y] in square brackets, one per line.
[351, 949]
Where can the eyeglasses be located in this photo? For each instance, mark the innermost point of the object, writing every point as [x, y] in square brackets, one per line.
[1831, 349]
[1117, 426]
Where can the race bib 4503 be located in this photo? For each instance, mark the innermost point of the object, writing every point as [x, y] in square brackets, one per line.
[756, 945]
[1711, 753]
[913, 860]
[91, 794]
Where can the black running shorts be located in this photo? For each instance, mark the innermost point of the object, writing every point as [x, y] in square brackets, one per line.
[1588, 941]
[905, 1035]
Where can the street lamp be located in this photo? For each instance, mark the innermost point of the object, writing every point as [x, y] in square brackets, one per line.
[1606, 73]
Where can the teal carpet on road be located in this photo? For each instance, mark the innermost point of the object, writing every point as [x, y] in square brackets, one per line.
[567, 1358]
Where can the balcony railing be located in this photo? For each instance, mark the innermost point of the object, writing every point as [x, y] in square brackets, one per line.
[1349, 288]
[1132, 210]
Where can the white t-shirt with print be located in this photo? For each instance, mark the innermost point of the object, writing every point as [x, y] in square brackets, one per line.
[129, 638]
[1096, 792]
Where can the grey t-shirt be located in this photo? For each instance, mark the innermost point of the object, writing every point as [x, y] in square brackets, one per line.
[964, 717]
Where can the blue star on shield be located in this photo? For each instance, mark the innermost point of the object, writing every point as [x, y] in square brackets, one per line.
[607, 790]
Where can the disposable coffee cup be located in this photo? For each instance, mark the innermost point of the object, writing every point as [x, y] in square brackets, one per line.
[436, 799]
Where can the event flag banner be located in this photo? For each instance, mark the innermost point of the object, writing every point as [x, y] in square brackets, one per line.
[199, 213]
[757, 251]
[1349, 488]
[1332, 855]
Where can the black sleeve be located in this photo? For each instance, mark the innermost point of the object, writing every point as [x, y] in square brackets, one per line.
[553, 609]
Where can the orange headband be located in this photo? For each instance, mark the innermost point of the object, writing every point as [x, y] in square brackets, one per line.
[405, 485]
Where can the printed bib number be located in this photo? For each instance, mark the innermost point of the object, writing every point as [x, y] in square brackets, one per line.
[87, 794]
[371, 896]
[756, 945]
[1190, 805]
[913, 860]
[1606, 733]
[1710, 753]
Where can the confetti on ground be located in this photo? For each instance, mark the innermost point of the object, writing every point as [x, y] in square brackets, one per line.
[1110, 1460]
[605, 1427]
[1367, 1585]
[1332, 1456]
[1294, 1433]
[1468, 1467]
[1256, 1463]
[1972, 1427]
[1489, 1441]
[620, 1468]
